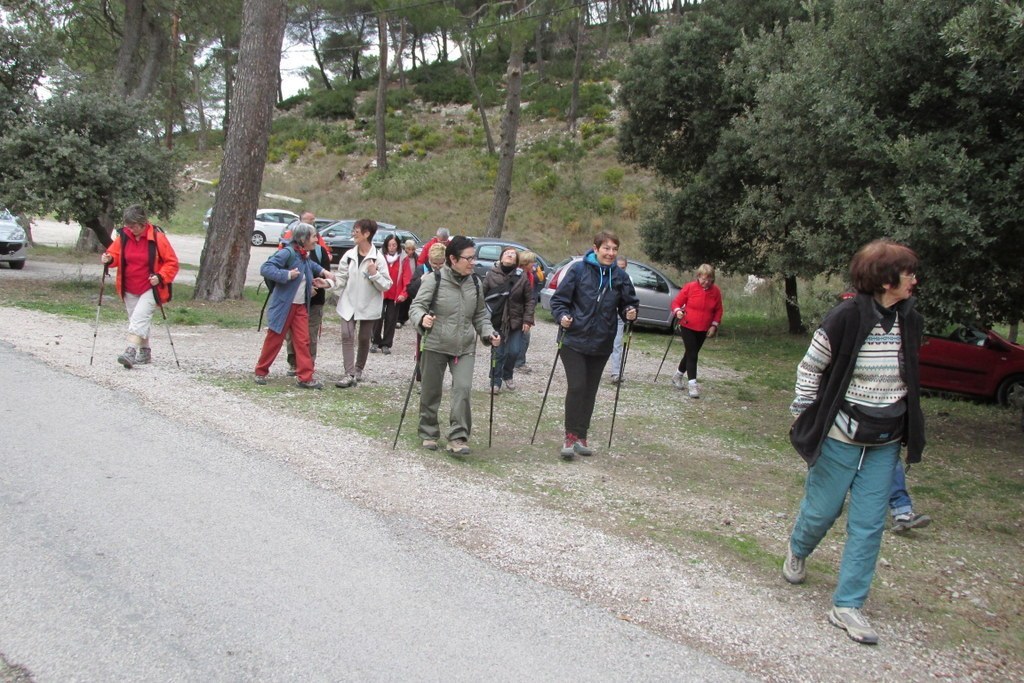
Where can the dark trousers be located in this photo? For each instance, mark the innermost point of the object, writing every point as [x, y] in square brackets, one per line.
[504, 357]
[384, 328]
[583, 375]
[692, 341]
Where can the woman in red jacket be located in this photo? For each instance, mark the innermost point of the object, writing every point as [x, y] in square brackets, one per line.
[400, 269]
[698, 308]
[146, 266]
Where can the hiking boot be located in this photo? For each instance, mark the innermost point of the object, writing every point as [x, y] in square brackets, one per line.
[430, 444]
[510, 385]
[260, 379]
[525, 369]
[144, 356]
[290, 372]
[128, 358]
[398, 326]
[458, 447]
[386, 350]
[909, 520]
[374, 348]
[580, 447]
[346, 382]
[854, 623]
[495, 389]
[794, 569]
[679, 380]
[311, 384]
[692, 389]
[616, 379]
[568, 450]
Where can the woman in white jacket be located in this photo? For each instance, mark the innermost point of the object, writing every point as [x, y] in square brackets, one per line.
[360, 284]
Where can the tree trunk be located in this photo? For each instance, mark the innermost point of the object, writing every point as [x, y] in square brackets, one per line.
[1014, 327]
[468, 52]
[96, 232]
[577, 68]
[317, 56]
[382, 94]
[230, 46]
[796, 325]
[226, 252]
[509, 131]
[127, 53]
[197, 92]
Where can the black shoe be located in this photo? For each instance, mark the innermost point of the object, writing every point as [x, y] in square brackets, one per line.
[374, 348]
[386, 350]
[260, 379]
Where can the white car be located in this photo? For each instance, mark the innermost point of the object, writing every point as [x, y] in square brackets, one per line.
[13, 241]
[268, 226]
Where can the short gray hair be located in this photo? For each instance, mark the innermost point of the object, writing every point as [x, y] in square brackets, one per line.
[302, 232]
[135, 215]
[442, 233]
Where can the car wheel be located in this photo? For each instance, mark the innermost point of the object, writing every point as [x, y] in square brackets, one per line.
[1011, 391]
[258, 239]
[17, 265]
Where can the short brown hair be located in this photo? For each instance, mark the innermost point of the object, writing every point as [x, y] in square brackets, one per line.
[881, 263]
[367, 225]
[605, 236]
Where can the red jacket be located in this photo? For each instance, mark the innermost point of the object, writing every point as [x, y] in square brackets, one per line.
[163, 261]
[425, 252]
[703, 307]
[401, 274]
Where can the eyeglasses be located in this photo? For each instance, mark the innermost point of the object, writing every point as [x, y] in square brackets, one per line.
[468, 258]
[909, 276]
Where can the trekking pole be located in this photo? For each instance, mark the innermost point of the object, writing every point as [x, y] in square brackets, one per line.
[99, 305]
[622, 368]
[412, 383]
[167, 326]
[671, 336]
[558, 348]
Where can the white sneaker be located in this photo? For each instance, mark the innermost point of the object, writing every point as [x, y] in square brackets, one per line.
[679, 380]
[854, 623]
[692, 389]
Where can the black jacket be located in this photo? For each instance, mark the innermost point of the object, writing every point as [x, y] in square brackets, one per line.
[595, 296]
[847, 326]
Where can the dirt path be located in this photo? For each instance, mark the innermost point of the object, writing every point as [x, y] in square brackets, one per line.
[776, 633]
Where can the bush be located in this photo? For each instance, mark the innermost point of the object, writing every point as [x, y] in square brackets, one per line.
[294, 101]
[454, 91]
[555, 150]
[545, 185]
[549, 99]
[606, 205]
[332, 104]
[613, 176]
[631, 206]
[396, 99]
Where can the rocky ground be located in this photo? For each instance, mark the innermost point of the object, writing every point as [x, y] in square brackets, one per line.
[777, 633]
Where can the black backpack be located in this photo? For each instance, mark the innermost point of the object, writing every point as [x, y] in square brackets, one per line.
[152, 257]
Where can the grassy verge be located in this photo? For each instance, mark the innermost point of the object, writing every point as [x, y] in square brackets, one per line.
[715, 477]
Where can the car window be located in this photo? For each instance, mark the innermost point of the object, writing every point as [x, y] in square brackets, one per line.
[489, 252]
[646, 278]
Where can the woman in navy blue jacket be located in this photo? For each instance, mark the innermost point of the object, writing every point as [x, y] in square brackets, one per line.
[593, 294]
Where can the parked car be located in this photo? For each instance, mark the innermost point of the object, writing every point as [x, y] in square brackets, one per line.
[338, 236]
[488, 251]
[13, 241]
[970, 360]
[654, 289]
[318, 223]
[266, 228]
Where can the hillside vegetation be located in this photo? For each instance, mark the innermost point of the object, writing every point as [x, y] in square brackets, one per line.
[565, 188]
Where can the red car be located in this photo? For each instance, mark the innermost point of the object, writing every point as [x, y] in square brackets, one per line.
[972, 361]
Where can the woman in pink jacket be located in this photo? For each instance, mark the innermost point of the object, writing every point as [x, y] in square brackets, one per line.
[698, 308]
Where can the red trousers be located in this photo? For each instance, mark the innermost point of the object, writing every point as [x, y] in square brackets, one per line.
[298, 323]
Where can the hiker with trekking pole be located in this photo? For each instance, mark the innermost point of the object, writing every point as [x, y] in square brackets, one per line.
[449, 309]
[593, 295]
[146, 266]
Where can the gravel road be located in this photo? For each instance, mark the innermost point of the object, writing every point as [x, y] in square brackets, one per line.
[777, 633]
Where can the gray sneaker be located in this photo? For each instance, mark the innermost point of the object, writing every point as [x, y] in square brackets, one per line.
[311, 384]
[144, 356]
[346, 382]
[260, 379]
[128, 358]
[692, 390]
[510, 385]
[794, 569]
[909, 520]
[854, 623]
[580, 447]
[679, 380]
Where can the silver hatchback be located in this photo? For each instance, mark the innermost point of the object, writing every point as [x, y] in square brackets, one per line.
[13, 241]
[653, 288]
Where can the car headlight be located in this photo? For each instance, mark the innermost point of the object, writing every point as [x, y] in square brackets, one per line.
[18, 235]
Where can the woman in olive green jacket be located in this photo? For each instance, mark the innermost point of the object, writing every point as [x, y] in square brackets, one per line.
[449, 310]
